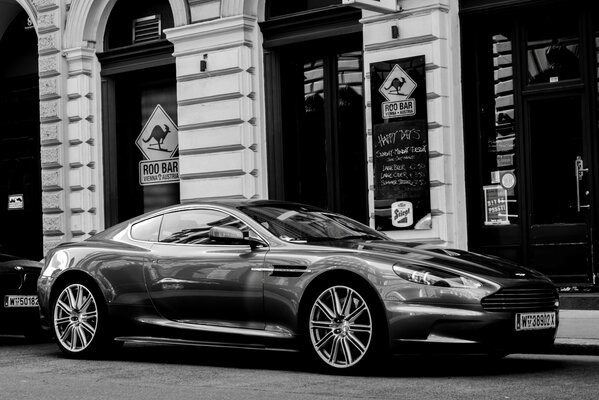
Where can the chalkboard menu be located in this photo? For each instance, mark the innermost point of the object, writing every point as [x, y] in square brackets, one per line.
[400, 144]
[400, 160]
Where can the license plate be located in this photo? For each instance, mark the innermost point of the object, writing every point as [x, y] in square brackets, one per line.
[20, 301]
[535, 321]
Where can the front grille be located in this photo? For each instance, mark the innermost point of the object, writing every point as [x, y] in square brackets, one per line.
[10, 281]
[521, 299]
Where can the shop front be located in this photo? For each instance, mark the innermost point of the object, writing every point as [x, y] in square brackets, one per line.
[530, 116]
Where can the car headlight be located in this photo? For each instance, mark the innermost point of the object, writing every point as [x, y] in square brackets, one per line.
[434, 277]
[58, 262]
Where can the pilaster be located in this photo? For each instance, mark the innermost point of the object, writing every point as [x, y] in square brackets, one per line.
[429, 28]
[221, 134]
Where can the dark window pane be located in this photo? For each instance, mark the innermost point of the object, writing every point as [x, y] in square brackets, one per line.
[499, 157]
[556, 143]
[553, 46]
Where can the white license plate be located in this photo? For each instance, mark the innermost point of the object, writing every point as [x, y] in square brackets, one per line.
[20, 301]
[535, 321]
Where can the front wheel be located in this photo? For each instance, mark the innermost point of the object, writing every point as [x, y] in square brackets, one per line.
[79, 319]
[342, 326]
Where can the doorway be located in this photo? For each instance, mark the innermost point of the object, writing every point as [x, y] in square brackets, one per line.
[138, 78]
[20, 181]
[530, 85]
[315, 109]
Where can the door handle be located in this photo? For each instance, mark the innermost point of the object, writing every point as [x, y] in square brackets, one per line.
[579, 171]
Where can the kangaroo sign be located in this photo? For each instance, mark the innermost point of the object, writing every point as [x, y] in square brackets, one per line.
[397, 89]
[158, 142]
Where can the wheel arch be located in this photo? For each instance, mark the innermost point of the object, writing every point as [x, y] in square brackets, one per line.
[336, 275]
[70, 276]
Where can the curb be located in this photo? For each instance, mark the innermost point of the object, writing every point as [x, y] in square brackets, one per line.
[565, 346]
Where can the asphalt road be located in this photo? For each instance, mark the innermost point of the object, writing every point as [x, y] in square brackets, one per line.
[39, 371]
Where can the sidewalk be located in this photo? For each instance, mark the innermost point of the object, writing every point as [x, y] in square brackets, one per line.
[578, 332]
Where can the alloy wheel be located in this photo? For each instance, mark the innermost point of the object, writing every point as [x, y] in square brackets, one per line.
[75, 318]
[341, 327]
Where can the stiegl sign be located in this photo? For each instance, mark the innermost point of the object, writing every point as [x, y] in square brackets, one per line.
[158, 142]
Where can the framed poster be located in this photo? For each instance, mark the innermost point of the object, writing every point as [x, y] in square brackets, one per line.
[495, 205]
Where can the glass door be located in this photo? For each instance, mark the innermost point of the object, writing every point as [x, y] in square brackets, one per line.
[529, 95]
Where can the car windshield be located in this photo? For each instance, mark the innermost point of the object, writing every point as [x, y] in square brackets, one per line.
[296, 223]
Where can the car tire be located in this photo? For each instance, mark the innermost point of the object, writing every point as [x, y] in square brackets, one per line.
[79, 320]
[342, 328]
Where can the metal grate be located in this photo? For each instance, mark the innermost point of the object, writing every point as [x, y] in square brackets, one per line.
[10, 281]
[147, 29]
[521, 299]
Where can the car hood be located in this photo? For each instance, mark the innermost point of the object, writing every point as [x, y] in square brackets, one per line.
[8, 262]
[444, 258]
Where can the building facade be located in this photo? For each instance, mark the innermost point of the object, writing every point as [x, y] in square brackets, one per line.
[117, 107]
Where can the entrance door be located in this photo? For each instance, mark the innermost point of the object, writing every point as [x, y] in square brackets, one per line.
[20, 181]
[560, 192]
[529, 90]
[21, 230]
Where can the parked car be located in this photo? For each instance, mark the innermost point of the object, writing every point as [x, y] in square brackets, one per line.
[20, 311]
[268, 274]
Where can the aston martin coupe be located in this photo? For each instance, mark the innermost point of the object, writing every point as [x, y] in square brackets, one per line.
[277, 275]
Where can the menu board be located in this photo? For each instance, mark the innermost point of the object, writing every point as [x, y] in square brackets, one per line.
[400, 144]
[401, 160]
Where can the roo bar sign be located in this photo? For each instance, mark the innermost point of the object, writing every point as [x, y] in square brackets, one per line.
[158, 142]
[397, 89]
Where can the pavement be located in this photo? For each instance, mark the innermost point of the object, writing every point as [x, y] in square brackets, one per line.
[578, 332]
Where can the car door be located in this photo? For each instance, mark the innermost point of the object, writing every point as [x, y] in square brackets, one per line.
[196, 280]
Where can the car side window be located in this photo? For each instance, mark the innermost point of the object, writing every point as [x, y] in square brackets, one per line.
[147, 230]
[193, 226]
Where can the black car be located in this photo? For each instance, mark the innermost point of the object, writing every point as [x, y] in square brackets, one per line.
[19, 313]
[267, 274]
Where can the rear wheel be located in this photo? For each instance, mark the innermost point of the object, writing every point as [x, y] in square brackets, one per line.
[79, 320]
[342, 326]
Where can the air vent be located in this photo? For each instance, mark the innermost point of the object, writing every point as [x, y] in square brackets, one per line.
[147, 29]
[521, 299]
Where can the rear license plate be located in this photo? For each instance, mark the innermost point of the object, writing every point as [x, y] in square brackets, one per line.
[20, 301]
[535, 321]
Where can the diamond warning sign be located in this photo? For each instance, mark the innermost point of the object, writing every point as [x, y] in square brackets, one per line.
[158, 142]
[397, 85]
[159, 138]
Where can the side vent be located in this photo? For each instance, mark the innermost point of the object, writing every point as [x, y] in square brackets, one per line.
[147, 29]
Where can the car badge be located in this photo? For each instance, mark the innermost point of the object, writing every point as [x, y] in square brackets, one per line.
[520, 274]
[19, 268]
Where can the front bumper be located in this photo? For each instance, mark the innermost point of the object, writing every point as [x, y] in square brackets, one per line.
[413, 328]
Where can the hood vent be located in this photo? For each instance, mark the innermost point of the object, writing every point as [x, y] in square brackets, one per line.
[147, 29]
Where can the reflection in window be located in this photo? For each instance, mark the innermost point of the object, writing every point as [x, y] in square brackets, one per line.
[499, 154]
[147, 230]
[552, 50]
[193, 226]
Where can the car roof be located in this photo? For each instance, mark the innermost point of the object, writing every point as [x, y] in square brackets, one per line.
[225, 203]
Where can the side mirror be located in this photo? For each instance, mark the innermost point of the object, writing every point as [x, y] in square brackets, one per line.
[229, 234]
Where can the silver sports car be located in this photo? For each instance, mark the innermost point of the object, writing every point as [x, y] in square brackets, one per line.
[277, 275]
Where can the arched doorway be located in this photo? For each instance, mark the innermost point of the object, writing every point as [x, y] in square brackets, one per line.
[20, 179]
[138, 81]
